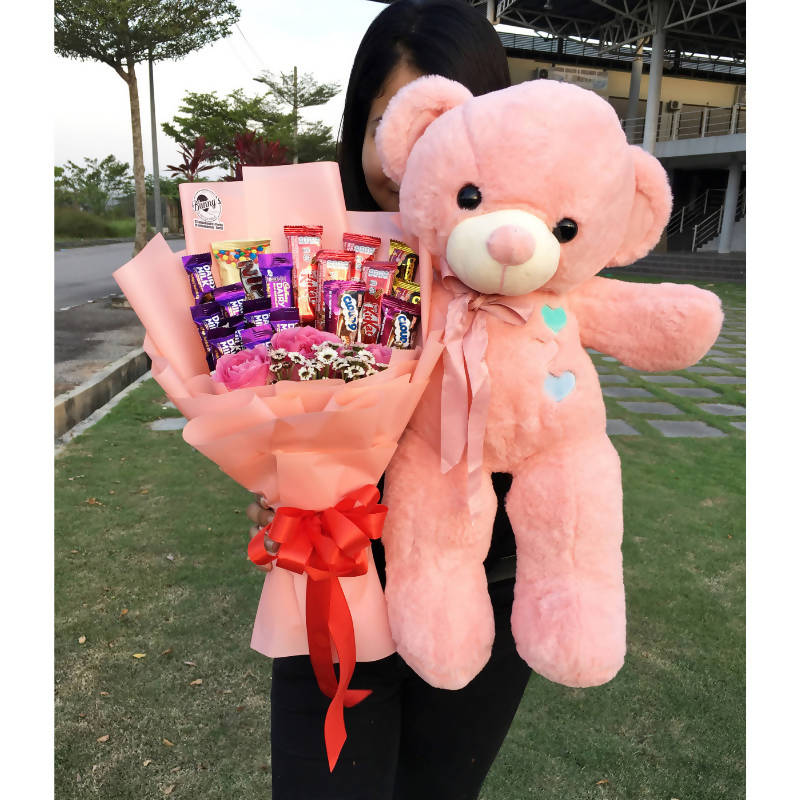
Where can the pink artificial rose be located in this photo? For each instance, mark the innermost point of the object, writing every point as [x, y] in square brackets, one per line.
[381, 352]
[299, 340]
[245, 368]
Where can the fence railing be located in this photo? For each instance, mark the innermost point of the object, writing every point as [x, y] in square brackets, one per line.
[691, 124]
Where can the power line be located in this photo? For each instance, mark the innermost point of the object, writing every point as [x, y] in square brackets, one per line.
[247, 68]
[252, 49]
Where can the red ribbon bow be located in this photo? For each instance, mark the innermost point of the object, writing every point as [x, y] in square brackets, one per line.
[327, 545]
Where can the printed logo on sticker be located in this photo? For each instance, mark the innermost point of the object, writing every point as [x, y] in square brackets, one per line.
[350, 312]
[402, 330]
[208, 209]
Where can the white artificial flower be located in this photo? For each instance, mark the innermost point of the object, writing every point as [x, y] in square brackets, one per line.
[297, 358]
[277, 354]
[307, 373]
[326, 355]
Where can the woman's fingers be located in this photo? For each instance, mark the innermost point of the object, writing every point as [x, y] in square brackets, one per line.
[253, 511]
[259, 515]
[271, 547]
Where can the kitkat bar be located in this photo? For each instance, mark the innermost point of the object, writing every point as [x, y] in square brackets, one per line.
[377, 277]
[332, 265]
[364, 247]
[304, 242]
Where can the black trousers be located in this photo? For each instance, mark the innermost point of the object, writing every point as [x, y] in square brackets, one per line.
[407, 740]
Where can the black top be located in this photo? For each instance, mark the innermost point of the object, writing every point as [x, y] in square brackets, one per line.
[503, 543]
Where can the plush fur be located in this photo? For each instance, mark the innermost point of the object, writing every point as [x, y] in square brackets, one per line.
[552, 151]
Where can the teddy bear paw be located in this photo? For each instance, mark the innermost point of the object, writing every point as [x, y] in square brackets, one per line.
[568, 637]
[443, 629]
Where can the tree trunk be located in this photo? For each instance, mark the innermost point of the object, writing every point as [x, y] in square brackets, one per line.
[140, 204]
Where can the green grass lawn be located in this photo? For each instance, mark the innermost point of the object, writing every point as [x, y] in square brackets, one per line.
[150, 559]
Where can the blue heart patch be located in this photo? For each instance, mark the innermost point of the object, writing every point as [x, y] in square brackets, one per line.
[559, 386]
[554, 318]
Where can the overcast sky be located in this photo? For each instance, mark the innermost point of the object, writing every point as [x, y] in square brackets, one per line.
[92, 115]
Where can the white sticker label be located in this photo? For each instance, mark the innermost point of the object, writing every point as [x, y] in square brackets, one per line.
[207, 209]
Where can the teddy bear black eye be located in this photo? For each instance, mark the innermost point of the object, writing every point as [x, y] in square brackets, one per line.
[469, 197]
[565, 230]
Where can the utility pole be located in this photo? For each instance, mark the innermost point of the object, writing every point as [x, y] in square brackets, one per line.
[159, 225]
[294, 111]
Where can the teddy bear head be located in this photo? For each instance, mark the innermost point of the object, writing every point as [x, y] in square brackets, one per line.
[532, 187]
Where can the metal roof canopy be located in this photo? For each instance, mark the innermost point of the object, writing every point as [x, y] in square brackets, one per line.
[708, 30]
[715, 28]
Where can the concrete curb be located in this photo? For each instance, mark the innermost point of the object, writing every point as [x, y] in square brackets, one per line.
[62, 441]
[77, 404]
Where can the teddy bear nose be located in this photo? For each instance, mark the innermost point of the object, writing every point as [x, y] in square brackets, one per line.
[510, 245]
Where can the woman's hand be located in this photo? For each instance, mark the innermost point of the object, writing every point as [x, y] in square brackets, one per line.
[261, 513]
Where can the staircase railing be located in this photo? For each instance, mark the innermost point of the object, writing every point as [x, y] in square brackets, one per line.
[697, 208]
[710, 227]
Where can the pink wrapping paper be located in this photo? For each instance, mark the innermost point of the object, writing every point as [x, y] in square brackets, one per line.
[299, 444]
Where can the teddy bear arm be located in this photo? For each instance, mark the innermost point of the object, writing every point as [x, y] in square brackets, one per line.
[653, 327]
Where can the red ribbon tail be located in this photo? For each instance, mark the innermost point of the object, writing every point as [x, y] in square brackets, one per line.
[328, 619]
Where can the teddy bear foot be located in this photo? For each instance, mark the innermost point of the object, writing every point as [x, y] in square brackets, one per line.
[443, 625]
[565, 637]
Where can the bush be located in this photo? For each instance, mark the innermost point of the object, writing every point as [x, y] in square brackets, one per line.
[72, 223]
[124, 228]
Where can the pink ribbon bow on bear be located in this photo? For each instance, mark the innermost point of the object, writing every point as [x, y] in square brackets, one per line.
[465, 403]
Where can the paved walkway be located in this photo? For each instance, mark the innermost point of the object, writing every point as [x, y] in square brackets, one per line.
[703, 401]
[706, 400]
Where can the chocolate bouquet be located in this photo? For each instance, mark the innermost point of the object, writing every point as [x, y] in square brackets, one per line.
[298, 366]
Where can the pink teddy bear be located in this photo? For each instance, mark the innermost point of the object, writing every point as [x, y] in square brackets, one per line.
[522, 196]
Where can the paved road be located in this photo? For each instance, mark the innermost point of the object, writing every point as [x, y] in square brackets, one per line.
[84, 273]
[89, 332]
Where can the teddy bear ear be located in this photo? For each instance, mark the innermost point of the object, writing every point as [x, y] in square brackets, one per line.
[652, 204]
[408, 115]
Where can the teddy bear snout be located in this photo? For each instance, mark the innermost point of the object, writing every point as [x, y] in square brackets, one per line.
[511, 245]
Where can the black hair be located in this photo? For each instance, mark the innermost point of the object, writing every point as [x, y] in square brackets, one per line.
[436, 37]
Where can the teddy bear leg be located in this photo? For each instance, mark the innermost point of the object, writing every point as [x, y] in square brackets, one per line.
[568, 618]
[439, 609]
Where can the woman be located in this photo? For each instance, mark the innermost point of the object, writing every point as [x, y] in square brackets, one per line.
[407, 739]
